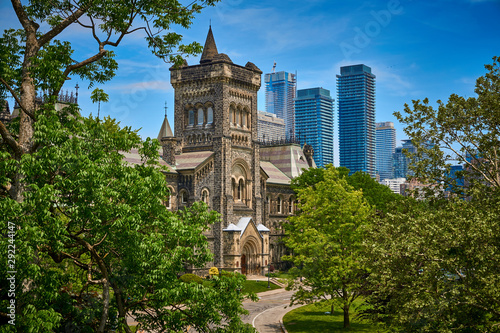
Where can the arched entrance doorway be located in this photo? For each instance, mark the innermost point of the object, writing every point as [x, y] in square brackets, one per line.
[250, 261]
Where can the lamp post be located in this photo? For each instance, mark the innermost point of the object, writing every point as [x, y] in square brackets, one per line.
[268, 276]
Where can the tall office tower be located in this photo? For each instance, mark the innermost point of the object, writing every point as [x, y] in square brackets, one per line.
[270, 127]
[385, 135]
[400, 161]
[280, 92]
[314, 122]
[356, 105]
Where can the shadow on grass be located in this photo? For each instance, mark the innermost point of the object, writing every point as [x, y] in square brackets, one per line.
[308, 319]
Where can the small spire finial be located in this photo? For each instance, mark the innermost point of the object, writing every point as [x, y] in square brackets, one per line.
[166, 107]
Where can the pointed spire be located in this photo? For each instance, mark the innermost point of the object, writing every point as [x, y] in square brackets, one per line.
[165, 130]
[210, 49]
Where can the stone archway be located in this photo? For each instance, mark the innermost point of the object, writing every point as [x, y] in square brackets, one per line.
[250, 258]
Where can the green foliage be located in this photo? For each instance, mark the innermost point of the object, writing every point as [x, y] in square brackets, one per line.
[435, 263]
[464, 131]
[91, 222]
[326, 238]
[191, 278]
[377, 195]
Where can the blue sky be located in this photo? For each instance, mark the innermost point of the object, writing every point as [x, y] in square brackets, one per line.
[416, 49]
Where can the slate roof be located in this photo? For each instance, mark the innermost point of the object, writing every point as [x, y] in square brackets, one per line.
[189, 161]
[288, 158]
[275, 174]
[133, 157]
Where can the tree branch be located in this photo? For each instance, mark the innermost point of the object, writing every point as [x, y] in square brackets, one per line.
[7, 137]
[63, 25]
[22, 16]
[30, 114]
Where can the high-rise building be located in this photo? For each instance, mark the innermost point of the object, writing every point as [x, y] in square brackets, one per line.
[356, 106]
[280, 92]
[400, 161]
[385, 135]
[270, 127]
[314, 123]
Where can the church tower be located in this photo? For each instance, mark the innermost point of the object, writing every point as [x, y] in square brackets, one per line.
[216, 113]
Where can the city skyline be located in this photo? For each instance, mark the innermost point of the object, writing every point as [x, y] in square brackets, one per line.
[416, 49]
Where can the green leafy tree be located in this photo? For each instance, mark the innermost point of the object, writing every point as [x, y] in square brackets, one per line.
[94, 242]
[326, 238]
[34, 61]
[98, 96]
[435, 262]
[464, 131]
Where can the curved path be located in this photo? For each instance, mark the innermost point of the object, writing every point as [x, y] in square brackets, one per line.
[266, 314]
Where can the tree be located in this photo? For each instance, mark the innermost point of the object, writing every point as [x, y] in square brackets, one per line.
[435, 263]
[326, 238]
[94, 242]
[464, 131]
[98, 95]
[33, 61]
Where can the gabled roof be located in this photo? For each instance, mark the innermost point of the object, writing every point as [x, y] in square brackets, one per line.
[275, 175]
[243, 224]
[289, 159]
[190, 161]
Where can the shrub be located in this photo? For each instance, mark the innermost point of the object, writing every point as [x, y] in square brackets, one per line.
[188, 278]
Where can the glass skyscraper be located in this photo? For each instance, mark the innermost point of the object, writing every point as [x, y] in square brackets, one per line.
[401, 162]
[385, 135]
[280, 92]
[314, 123]
[356, 106]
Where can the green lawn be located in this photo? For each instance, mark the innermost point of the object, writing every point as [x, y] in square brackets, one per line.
[257, 286]
[312, 319]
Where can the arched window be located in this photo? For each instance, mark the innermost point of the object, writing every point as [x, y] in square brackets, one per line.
[170, 198]
[204, 196]
[184, 197]
[241, 190]
[234, 189]
[201, 116]
[210, 115]
[237, 121]
[279, 205]
[191, 118]
[244, 119]
[231, 115]
[290, 206]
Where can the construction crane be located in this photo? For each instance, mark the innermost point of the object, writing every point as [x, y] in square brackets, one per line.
[274, 67]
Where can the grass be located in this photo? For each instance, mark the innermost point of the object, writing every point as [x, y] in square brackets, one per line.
[312, 319]
[257, 286]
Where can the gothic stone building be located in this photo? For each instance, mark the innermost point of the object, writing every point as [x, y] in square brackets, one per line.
[215, 157]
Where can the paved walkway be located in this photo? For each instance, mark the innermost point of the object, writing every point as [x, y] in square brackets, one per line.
[265, 315]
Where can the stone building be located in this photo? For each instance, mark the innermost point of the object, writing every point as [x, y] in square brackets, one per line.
[215, 157]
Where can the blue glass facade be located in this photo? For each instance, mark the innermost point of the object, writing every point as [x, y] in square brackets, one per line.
[385, 135]
[314, 123]
[280, 92]
[356, 107]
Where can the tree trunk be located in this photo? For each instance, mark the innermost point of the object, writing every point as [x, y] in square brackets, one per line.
[105, 306]
[331, 310]
[122, 314]
[347, 323]
[27, 96]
